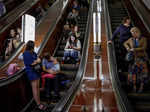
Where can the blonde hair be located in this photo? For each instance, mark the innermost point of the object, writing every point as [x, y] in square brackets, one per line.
[136, 30]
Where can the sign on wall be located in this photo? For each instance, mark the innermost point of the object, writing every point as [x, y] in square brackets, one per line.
[28, 28]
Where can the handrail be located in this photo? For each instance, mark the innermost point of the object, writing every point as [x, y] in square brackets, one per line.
[14, 54]
[11, 17]
[53, 24]
[141, 15]
[121, 98]
[65, 102]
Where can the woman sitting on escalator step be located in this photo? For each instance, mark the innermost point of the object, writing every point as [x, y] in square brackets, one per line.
[72, 49]
[51, 67]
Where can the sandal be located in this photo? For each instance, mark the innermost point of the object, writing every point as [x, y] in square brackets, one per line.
[41, 107]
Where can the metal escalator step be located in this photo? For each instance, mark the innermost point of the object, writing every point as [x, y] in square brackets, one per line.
[63, 42]
[116, 21]
[142, 106]
[119, 16]
[61, 47]
[59, 53]
[139, 96]
[118, 11]
[115, 24]
[69, 74]
[60, 59]
[69, 67]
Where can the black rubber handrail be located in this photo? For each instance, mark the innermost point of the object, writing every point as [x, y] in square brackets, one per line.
[141, 15]
[17, 75]
[65, 102]
[15, 14]
[123, 103]
[14, 54]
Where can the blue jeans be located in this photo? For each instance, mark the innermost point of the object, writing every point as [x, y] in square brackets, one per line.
[74, 54]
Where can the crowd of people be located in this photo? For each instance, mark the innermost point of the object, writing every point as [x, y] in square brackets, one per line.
[51, 75]
[132, 49]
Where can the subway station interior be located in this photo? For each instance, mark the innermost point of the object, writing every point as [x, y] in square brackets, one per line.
[74, 56]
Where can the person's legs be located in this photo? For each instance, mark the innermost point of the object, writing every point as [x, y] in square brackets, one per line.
[134, 82]
[48, 87]
[38, 88]
[66, 54]
[46, 76]
[56, 85]
[35, 91]
[74, 54]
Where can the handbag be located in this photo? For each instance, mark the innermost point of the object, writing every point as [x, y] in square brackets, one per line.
[129, 56]
[37, 68]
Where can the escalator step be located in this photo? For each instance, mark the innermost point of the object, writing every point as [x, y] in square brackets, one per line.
[142, 106]
[139, 96]
[69, 67]
[59, 53]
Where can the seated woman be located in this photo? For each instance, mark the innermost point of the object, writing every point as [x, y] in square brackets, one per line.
[138, 71]
[51, 67]
[72, 49]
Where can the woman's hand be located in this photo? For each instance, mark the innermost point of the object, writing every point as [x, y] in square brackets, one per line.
[38, 60]
[109, 42]
[131, 49]
[51, 71]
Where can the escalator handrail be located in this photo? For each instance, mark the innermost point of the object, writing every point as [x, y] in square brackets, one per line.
[66, 101]
[15, 14]
[53, 24]
[121, 98]
[17, 75]
[141, 15]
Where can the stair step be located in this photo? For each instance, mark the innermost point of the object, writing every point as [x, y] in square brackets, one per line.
[69, 67]
[59, 53]
[139, 96]
[69, 74]
[142, 106]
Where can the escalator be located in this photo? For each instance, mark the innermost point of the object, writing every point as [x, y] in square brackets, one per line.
[70, 70]
[139, 101]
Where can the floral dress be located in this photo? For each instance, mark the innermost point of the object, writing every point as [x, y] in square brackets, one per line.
[138, 71]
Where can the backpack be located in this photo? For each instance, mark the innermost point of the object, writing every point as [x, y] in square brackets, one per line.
[12, 69]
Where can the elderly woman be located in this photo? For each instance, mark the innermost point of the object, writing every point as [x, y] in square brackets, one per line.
[138, 69]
